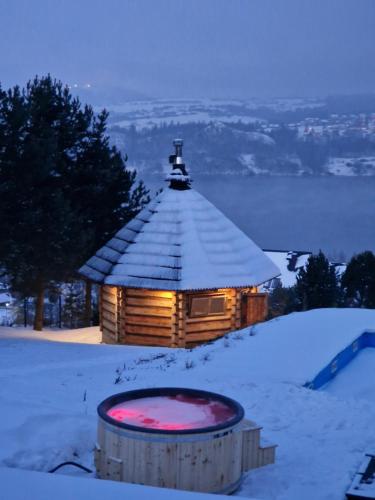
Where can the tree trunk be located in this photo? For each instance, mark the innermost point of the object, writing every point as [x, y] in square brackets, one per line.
[60, 310]
[88, 304]
[39, 309]
[25, 312]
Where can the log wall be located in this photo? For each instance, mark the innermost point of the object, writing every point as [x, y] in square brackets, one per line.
[162, 318]
[109, 314]
[206, 328]
[147, 317]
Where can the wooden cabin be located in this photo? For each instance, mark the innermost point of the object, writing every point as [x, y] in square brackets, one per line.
[180, 273]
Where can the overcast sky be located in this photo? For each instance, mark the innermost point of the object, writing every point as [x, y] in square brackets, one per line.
[193, 48]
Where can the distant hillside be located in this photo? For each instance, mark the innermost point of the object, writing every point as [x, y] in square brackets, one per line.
[277, 137]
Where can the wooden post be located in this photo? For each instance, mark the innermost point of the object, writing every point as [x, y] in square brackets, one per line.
[181, 314]
[238, 309]
[174, 321]
[100, 308]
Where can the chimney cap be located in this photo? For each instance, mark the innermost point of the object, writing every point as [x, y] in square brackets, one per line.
[179, 178]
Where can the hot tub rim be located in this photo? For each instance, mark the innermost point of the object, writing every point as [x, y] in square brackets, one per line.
[120, 397]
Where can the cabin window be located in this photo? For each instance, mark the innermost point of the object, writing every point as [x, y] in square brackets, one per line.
[206, 305]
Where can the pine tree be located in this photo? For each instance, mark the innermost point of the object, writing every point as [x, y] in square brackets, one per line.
[358, 280]
[60, 183]
[73, 306]
[282, 300]
[317, 284]
[100, 191]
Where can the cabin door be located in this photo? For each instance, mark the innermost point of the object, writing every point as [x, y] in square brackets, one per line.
[254, 308]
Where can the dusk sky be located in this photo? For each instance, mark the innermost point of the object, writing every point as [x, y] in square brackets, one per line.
[193, 48]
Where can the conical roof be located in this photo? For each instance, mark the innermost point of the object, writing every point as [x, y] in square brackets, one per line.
[180, 241]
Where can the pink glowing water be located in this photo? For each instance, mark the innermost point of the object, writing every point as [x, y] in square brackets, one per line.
[179, 412]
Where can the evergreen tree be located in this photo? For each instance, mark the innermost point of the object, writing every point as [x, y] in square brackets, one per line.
[317, 284]
[60, 183]
[358, 280]
[282, 300]
[100, 191]
[73, 307]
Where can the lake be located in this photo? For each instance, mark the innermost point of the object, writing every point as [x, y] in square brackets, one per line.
[335, 214]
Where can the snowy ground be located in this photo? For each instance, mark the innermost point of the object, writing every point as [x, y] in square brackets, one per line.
[51, 387]
[27, 485]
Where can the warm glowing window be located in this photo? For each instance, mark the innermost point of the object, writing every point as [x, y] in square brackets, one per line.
[204, 305]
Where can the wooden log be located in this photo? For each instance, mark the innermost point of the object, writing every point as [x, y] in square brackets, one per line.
[110, 316]
[149, 301]
[136, 292]
[108, 337]
[174, 322]
[200, 337]
[156, 331]
[110, 294]
[132, 319]
[100, 308]
[211, 317]
[205, 326]
[181, 319]
[238, 310]
[149, 311]
[109, 325]
[147, 340]
[233, 304]
[108, 306]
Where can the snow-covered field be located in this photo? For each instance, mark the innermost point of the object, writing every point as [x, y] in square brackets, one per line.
[53, 381]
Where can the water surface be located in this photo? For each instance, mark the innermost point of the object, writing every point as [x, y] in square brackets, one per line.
[335, 214]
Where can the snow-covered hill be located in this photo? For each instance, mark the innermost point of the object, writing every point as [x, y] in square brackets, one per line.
[52, 384]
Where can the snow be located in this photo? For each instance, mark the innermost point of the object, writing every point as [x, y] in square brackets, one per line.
[281, 260]
[180, 241]
[146, 114]
[50, 391]
[40, 486]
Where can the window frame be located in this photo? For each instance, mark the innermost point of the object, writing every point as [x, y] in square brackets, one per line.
[209, 297]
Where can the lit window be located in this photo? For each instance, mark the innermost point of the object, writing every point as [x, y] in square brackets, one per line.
[205, 305]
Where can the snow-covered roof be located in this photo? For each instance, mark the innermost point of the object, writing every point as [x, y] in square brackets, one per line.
[289, 262]
[180, 241]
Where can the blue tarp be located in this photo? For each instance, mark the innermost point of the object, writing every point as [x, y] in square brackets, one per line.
[367, 339]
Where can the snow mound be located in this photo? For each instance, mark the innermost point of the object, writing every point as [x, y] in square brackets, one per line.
[50, 392]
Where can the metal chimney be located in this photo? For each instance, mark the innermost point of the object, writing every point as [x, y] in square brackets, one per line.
[179, 178]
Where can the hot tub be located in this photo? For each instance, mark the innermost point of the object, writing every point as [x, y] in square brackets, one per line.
[177, 438]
